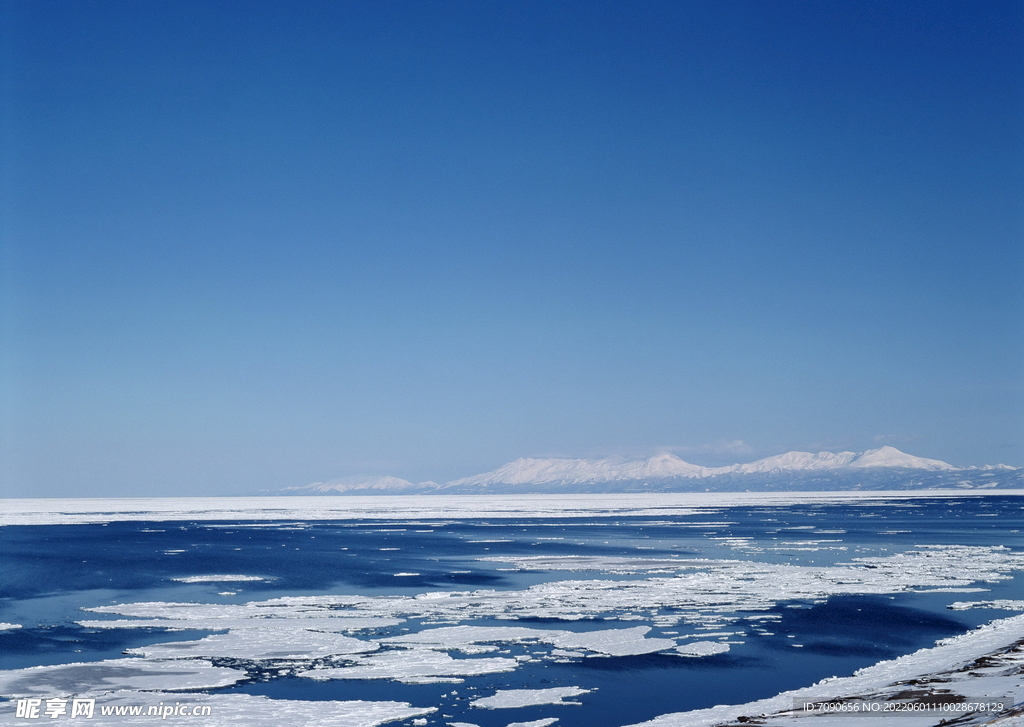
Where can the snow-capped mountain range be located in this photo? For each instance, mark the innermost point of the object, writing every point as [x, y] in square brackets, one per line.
[886, 468]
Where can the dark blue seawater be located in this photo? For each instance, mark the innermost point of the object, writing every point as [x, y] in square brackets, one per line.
[49, 572]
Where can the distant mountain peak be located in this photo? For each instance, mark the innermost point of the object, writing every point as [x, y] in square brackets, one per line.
[892, 457]
[881, 468]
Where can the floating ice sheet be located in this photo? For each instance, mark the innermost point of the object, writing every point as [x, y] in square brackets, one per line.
[717, 595]
[260, 643]
[413, 665]
[605, 564]
[8, 627]
[220, 579]
[513, 698]
[461, 637]
[612, 642]
[1004, 604]
[114, 674]
[615, 642]
[702, 648]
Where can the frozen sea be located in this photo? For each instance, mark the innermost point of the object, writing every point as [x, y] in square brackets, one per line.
[595, 611]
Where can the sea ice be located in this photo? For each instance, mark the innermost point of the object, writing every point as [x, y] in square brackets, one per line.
[702, 648]
[1004, 604]
[615, 642]
[8, 627]
[605, 564]
[717, 595]
[114, 674]
[260, 643]
[220, 579]
[513, 698]
[412, 665]
[462, 637]
[44, 511]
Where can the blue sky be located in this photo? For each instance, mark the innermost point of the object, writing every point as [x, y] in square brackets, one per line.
[251, 245]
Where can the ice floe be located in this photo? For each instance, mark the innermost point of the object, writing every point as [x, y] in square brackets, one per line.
[260, 643]
[114, 674]
[702, 648]
[605, 564]
[611, 642]
[615, 642]
[415, 666]
[712, 596]
[513, 698]
[8, 627]
[1003, 604]
[220, 579]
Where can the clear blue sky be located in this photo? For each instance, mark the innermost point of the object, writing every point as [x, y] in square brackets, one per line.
[250, 245]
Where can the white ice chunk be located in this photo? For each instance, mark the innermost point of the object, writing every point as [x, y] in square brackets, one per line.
[220, 579]
[712, 597]
[534, 723]
[1004, 604]
[8, 627]
[413, 665]
[605, 564]
[114, 674]
[615, 642]
[513, 698]
[702, 648]
[260, 643]
[460, 637]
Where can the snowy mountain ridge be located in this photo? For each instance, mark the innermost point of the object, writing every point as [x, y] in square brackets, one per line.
[538, 471]
[882, 468]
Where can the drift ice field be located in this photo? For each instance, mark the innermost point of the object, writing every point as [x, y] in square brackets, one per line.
[569, 610]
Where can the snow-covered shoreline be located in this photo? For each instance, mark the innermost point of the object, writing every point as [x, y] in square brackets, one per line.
[65, 511]
[984, 664]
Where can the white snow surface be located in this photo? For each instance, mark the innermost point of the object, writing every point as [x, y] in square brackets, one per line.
[513, 698]
[8, 627]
